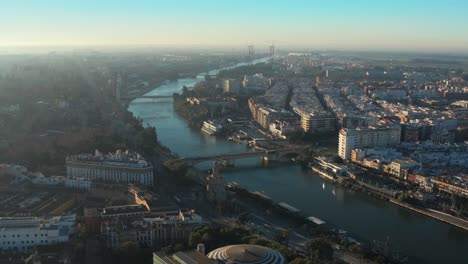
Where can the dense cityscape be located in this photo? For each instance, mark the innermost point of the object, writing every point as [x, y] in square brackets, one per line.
[262, 152]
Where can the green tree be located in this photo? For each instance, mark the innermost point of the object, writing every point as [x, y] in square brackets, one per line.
[299, 261]
[177, 167]
[465, 77]
[319, 248]
[179, 247]
[242, 218]
[129, 249]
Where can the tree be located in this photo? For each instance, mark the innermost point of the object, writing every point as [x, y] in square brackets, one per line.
[319, 248]
[194, 239]
[356, 248]
[301, 261]
[178, 168]
[465, 77]
[185, 91]
[129, 249]
[243, 218]
[282, 237]
[179, 247]
[403, 197]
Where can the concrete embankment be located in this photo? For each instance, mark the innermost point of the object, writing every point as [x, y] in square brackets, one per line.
[458, 222]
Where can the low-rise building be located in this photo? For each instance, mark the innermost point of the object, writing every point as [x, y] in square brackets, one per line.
[280, 129]
[166, 229]
[78, 183]
[452, 185]
[399, 168]
[24, 233]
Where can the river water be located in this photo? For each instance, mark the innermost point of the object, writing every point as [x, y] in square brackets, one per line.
[422, 239]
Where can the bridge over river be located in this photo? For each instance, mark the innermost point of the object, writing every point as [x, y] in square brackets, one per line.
[267, 154]
[154, 97]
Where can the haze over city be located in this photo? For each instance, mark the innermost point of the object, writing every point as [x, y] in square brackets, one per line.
[365, 24]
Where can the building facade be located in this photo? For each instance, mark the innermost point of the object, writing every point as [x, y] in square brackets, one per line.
[24, 233]
[370, 137]
[317, 123]
[78, 183]
[119, 167]
[167, 229]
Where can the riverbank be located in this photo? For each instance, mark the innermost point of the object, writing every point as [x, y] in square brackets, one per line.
[389, 196]
[446, 218]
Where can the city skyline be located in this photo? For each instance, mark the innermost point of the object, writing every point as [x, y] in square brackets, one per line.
[428, 26]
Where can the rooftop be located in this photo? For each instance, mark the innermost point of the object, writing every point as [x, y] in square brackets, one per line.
[246, 254]
[117, 159]
[122, 209]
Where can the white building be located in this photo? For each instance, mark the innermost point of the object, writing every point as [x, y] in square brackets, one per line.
[24, 233]
[78, 183]
[231, 86]
[120, 167]
[281, 128]
[371, 137]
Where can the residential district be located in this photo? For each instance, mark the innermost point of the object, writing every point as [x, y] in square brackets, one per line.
[396, 132]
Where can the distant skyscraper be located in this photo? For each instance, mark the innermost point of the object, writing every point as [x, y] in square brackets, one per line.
[231, 86]
[118, 86]
[272, 52]
[251, 50]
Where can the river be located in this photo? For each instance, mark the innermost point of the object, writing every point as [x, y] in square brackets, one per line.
[422, 239]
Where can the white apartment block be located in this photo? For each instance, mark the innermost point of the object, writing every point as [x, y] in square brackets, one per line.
[78, 183]
[118, 167]
[24, 233]
[370, 137]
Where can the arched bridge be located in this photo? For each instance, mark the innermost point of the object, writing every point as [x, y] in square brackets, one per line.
[242, 155]
[130, 98]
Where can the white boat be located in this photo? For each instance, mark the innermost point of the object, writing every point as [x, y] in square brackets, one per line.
[211, 127]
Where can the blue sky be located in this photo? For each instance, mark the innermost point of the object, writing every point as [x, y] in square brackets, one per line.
[334, 24]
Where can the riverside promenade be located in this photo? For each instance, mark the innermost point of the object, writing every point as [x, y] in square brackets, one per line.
[458, 222]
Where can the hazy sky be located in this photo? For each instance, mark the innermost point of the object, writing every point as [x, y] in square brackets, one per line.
[330, 24]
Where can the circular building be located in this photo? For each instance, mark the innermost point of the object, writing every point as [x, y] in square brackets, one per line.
[246, 254]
